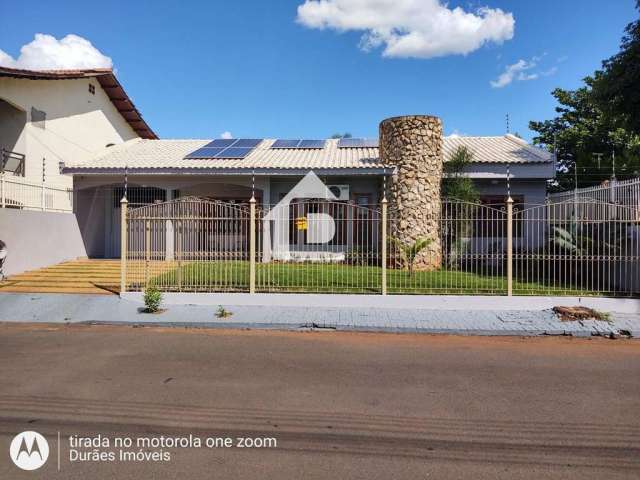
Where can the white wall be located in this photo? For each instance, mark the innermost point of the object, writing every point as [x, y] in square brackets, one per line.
[78, 124]
[39, 239]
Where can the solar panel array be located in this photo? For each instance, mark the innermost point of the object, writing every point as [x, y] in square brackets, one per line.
[308, 144]
[226, 148]
[358, 143]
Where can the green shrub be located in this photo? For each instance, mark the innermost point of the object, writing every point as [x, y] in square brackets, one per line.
[152, 299]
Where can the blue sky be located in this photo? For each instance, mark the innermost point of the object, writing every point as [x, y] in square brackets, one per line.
[197, 69]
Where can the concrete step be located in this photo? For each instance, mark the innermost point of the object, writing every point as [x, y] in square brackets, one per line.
[24, 277]
[64, 284]
[80, 276]
[39, 289]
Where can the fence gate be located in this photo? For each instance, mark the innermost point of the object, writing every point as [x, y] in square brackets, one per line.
[188, 245]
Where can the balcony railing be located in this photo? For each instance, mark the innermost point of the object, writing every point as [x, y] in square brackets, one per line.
[20, 193]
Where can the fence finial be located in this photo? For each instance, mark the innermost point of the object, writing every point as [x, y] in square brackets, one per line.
[126, 181]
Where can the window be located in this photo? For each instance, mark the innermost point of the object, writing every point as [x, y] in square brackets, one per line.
[139, 196]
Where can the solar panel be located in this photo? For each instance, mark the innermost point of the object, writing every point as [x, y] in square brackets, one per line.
[226, 148]
[234, 152]
[247, 143]
[205, 152]
[311, 144]
[281, 143]
[357, 143]
[222, 142]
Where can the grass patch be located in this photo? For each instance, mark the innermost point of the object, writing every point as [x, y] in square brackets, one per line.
[340, 278]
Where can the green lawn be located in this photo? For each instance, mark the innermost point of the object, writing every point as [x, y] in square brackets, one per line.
[339, 278]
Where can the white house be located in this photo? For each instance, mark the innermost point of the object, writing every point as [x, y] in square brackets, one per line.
[53, 117]
[48, 119]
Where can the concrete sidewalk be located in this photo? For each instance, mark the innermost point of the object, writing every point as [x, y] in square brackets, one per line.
[61, 308]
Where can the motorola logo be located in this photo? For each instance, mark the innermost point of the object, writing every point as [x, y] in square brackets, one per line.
[29, 450]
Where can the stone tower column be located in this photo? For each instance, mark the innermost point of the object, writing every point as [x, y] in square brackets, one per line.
[414, 145]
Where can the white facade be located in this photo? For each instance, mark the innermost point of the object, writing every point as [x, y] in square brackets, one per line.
[79, 121]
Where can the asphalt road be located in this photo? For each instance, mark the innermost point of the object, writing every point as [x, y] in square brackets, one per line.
[336, 405]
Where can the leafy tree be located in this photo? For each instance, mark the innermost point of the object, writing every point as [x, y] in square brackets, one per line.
[592, 127]
[617, 85]
[342, 135]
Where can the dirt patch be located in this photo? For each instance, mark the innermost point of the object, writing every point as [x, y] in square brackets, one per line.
[572, 314]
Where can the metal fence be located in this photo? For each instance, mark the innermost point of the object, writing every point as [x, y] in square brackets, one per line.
[620, 192]
[317, 246]
[18, 192]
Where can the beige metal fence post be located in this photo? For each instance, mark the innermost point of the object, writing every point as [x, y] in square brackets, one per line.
[147, 247]
[179, 252]
[510, 246]
[252, 245]
[2, 189]
[124, 203]
[384, 245]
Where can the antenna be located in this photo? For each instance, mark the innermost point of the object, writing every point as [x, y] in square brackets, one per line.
[508, 127]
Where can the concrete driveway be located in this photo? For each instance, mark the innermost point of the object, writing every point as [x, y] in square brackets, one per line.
[339, 405]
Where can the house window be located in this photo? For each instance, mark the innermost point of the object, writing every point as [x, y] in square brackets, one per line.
[139, 196]
[488, 223]
[92, 89]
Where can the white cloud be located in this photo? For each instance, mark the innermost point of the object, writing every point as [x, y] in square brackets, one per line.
[226, 135]
[45, 52]
[516, 71]
[456, 134]
[410, 28]
[520, 71]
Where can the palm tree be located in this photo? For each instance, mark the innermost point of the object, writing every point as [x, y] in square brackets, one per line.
[410, 251]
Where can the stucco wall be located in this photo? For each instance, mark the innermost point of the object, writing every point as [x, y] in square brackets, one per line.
[38, 239]
[78, 124]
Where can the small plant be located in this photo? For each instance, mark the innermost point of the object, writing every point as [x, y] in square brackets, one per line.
[222, 312]
[152, 299]
[410, 251]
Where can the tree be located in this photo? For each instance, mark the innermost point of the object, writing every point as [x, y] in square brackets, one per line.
[455, 184]
[342, 135]
[617, 85]
[409, 251]
[592, 126]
